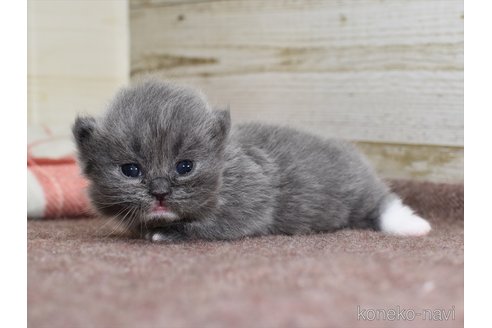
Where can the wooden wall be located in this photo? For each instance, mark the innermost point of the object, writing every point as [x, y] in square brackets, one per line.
[388, 74]
[77, 57]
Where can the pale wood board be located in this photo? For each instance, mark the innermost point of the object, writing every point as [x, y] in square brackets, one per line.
[388, 74]
[416, 162]
[77, 58]
[379, 71]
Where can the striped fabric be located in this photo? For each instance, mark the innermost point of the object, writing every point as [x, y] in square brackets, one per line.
[55, 188]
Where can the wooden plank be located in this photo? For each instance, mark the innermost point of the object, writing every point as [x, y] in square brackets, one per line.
[375, 108]
[77, 58]
[363, 70]
[72, 39]
[56, 101]
[416, 162]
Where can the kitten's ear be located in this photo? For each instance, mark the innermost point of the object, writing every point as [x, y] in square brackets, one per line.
[221, 125]
[83, 129]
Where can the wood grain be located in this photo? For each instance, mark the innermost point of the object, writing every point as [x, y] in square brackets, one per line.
[387, 74]
[77, 58]
[379, 71]
[416, 162]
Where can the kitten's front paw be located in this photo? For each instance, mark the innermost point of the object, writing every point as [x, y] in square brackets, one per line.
[162, 236]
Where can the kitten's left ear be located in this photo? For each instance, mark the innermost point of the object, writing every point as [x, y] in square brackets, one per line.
[221, 125]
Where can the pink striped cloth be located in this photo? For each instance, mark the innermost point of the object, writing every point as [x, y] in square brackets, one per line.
[55, 187]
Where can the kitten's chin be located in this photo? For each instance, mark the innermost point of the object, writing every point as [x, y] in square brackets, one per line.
[161, 216]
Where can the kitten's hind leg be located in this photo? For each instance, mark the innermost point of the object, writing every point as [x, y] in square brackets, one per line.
[399, 219]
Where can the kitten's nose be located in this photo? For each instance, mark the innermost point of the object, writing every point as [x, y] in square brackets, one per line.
[159, 188]
[160, 197]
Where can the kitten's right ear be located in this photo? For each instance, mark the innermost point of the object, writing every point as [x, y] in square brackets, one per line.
[83, 129]
[222, 124]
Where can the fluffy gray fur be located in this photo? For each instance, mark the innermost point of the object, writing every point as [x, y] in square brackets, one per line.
[248, 180]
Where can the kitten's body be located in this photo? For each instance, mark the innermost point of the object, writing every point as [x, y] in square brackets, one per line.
[291, 182]
[251, 180]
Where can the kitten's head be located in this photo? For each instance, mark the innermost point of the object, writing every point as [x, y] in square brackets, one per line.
[155, 156]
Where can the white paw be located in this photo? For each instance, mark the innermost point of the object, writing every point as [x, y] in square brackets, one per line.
[158, 237]
[398, 219]
[155, 237]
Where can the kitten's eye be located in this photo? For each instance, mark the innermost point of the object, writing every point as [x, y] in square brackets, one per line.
[131, 170]
[184, 167]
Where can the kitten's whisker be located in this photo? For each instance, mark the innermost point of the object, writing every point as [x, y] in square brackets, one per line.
[110, 220]
[145, 223]
[122, 220]
[119, 222]
[135, 216]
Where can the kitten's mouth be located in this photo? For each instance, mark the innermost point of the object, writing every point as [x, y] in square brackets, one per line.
[160, 212]
[159, 207]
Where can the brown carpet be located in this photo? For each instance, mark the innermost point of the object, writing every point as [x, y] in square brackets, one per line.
[77, 277]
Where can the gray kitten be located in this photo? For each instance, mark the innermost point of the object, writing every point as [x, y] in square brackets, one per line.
[169, 167]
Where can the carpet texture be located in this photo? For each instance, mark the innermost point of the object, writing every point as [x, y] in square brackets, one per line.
[80, 277]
